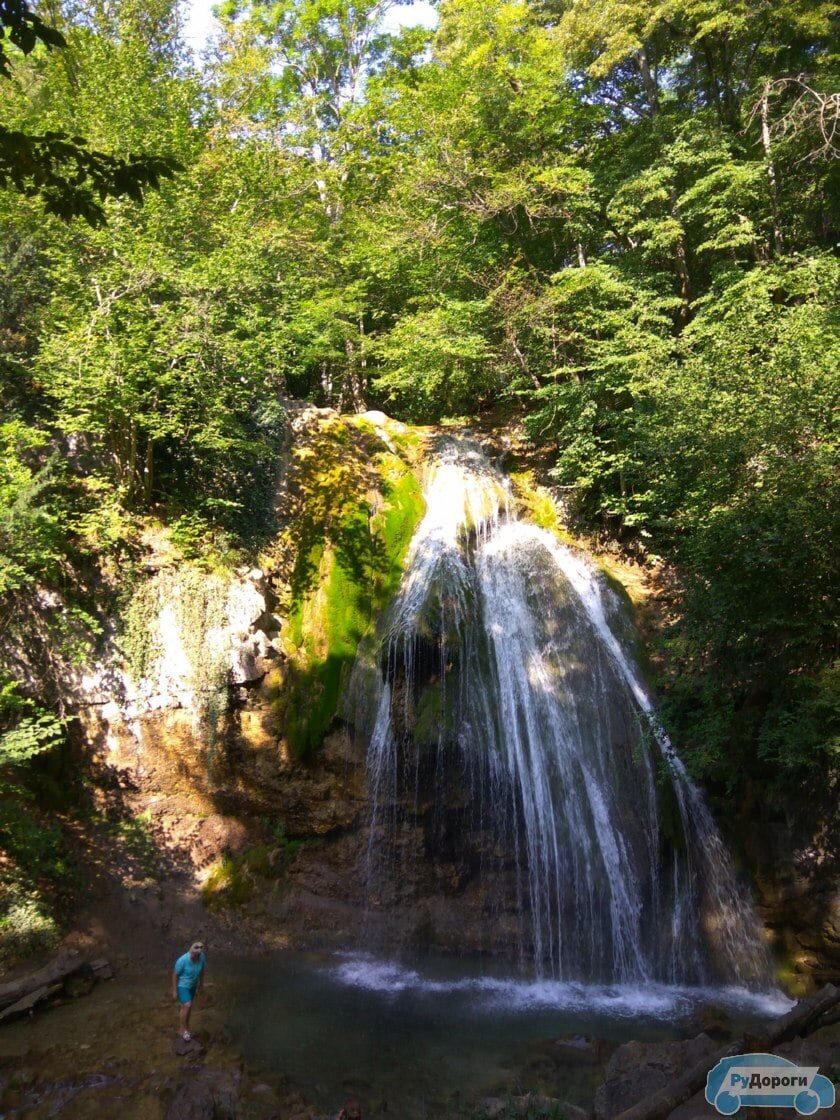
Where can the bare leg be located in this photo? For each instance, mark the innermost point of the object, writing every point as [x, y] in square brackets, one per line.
[186, 1008]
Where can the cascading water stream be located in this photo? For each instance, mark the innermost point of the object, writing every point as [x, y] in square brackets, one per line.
[502, 684]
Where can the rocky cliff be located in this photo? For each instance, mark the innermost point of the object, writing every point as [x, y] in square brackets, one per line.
[219, 714]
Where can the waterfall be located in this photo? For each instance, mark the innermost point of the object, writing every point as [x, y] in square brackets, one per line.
[510, 735]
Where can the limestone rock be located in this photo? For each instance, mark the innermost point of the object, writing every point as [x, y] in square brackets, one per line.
[576, 1049]
[205, 1095]
[188, 1048]
[102, 969]
[712, 1021]
[639, 1069]
[216, 836]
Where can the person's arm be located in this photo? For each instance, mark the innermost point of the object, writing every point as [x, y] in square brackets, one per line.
[174, 984]
[200, 983]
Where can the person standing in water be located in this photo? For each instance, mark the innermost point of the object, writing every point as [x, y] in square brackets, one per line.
[187, 978]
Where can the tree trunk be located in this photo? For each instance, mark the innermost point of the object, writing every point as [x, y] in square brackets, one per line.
[681, 262]
[712, 91]
[326, 380]
[778, 240]
[520, 357]
[648, 81]
[131, 467]
[352, 380]
[149, 471]
[56, 972]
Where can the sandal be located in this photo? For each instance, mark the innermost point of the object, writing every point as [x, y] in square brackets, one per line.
[186, 1036]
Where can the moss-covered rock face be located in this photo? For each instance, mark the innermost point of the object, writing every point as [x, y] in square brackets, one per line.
[348, 505]
[537, 505]
[174, 631]
[353, 501]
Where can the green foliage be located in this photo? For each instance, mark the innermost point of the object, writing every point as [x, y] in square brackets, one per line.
[437, 361]
[186, 606]
[31, 538]
[70, 177]
[24, 29]
[30, 737]
[226, 885]
[276, 829]
[26, 928]
[34, 851]
[34, 863]
[26, 730]
[618, 216]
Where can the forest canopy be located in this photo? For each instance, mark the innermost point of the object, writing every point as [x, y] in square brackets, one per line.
[614, 219]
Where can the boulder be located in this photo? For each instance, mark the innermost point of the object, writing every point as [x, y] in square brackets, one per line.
[206, 1095]
[712, 1021]
[577, 1049]
[102, 969]
[639, 1069]
[187, 1048]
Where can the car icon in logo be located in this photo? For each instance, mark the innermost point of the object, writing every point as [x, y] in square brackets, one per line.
[767, 1081]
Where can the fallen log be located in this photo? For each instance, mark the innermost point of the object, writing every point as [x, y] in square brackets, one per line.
[57, 971]
[801, 1019]
[29, 1002]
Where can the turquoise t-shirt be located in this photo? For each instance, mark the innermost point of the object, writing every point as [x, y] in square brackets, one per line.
[189, 971]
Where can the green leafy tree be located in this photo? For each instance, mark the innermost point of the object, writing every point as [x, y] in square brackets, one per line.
[71, 178]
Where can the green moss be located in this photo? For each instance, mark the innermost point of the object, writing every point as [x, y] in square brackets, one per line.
[668, 807]
[404, 507]
[432, 718]
[538, 506]
[615, 584]
[228, 884]
[409, 442]
[794, 983]
[276, 829]
[233, 880]
[139, 641]
[362, 424]
[360, 505]
[198, 601]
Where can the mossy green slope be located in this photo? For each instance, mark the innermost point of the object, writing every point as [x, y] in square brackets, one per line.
[355, 502]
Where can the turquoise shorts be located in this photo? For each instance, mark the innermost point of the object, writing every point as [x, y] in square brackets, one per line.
[185, 995]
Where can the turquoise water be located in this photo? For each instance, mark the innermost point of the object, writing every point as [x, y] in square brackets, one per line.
[430, 1037]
